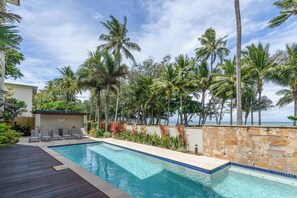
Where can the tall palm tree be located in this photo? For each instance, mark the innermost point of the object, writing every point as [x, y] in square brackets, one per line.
[201, 77]
[68, 83]
[184, 66]
[260, 65]
[286, 75]
[224, 82]
[88, 78]
[212, 47]
[110, 72]
[167, 84]
[238, 63]
[116, 40]
[287, 8]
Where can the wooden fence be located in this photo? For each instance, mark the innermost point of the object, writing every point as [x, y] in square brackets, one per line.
[25, 121]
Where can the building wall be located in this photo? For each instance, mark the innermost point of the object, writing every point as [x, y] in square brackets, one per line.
[59, 121]
[24, 93]
[273, 148]
[194, 135]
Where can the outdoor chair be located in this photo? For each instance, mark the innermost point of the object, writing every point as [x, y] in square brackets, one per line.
[45, 135]
[65, 133]
[56, 135]
[75, 133]
[84, 133]
[34, 136]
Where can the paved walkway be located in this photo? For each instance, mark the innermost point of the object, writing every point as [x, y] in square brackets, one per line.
[27, 171]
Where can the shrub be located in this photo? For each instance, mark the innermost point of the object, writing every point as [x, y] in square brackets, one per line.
[134, 130]
[8, 136]
[91, 132]
[106, 134]
[23, 129]
[117, 127]
[164, 130]
[181, 130]
[98, 133]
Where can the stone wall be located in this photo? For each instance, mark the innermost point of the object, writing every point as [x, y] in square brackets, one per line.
[194, 135]
[273, 148]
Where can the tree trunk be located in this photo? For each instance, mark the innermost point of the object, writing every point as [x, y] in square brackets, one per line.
[117, 106]
[295, 108]
[221, 111]
[181, 110]
[238, 63]
[231, 112]
[168, 109]
[259, 100]
[252, 111]
[202, 105]
[246, 115]
[98, 107]
[107, 107]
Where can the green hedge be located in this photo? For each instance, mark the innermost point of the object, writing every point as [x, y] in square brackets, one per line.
[7, 135]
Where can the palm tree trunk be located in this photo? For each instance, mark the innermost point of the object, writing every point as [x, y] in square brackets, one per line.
[252, 111]
[221, 111]
[117, 106]
[246, 115]
[259, 100]
[98, 108]
[295, 108]
[181, 110]
[231, 112]
[168, 109]
[107, 107]
[238, 63]
[202, 104]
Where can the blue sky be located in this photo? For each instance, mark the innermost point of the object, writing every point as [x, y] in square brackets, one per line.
[57, 33]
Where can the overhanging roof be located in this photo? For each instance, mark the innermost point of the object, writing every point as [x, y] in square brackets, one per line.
[57, 112]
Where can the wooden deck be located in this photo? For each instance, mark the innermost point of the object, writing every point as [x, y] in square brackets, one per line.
[27, 171]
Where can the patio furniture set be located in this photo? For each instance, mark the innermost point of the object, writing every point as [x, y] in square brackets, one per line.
[56, 134]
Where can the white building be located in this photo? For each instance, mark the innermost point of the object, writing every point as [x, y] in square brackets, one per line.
[24, 93]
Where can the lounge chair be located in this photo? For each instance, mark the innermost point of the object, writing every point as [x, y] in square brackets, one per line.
[56, 135]
[34, 136]
[84, 133]
[75, 133]
[65, 134]
[45, 135]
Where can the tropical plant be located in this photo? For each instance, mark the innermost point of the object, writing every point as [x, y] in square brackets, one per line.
[68, 83]
[287, 8]
[260, 65]
[212, 47]
[224, 84]
[7, 135]
[12, 59]
[110, 72]
[286, 75]
[116, 40]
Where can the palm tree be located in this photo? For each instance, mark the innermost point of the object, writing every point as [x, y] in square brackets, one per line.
[183, 65]
[88, 78]
[116, 40]
[201, 78]
[287, 8]
[212, 47]
[238, 63]
[109, 73]
[9, 37]
[68, 83]
[224, 82]
[286, 75]
[260, 65]
[167, 84]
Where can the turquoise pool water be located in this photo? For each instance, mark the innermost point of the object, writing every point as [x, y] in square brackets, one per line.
[144, 176]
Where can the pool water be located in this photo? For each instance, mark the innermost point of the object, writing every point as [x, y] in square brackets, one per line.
[143, 176]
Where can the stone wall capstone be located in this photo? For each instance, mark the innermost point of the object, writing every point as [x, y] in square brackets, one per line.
[273, 148]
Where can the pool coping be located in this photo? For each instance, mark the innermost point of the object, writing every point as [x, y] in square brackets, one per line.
[93, 179]
[174, 161]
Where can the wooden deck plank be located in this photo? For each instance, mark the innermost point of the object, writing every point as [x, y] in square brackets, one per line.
[27, 171]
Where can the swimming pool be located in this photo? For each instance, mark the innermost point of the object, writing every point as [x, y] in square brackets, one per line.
[143, 176]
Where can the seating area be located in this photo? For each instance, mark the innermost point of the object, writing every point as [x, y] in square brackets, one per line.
[46, 135]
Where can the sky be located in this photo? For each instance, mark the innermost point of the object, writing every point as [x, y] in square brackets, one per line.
[60, 33]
